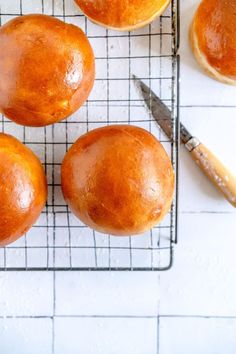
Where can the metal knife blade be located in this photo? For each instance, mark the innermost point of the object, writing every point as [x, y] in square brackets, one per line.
[160, 111]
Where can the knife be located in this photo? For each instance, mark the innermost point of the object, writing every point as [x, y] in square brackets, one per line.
[210, 165]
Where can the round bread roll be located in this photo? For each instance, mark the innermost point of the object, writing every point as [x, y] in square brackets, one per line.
[23, 189]
[122, 15]
[46, 69]
[118, 180]
[213, 39]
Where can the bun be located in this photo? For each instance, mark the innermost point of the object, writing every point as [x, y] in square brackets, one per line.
[118, 180]
[122, 15]
[23, 189]
[213, 39]
[46, 69]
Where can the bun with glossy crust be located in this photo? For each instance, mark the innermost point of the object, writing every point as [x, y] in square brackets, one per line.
[213, 39]
[118, 180]
[122, 15]
[46, 69]
[23, 189]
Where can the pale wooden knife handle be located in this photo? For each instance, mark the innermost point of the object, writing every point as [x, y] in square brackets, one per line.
[216, 172]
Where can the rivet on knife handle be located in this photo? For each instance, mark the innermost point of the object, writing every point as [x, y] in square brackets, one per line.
[222, 178]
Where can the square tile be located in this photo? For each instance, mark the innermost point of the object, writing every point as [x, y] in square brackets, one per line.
[123, 293]
[26, 335]
[105, 335]
[200, 281]
[197, 335]
[26, 294]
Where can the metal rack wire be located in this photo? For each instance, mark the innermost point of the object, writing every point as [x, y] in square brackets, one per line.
[59, 241]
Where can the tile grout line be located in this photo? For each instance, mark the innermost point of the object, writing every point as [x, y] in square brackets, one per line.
[154, 317]
[158, 334]
[54, 311]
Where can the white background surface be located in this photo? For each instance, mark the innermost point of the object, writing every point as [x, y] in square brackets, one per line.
[191, 308]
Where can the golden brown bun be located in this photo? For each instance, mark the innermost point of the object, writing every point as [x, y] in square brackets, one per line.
[46, 69]
[23, 189]
[213, 39]
[122, 15]
[118, 180]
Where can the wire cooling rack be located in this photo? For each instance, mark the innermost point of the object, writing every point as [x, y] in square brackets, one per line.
[59, 241]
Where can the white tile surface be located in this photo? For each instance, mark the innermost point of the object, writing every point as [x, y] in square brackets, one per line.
[106, 293]
[23, 293]
[105, 336]
[197, 335]
[26, 336]
[201, 281]
[9, 7]
[207, 124]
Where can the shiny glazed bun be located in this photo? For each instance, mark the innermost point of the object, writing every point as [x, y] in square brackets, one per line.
[122, 14]
[46, 69]
[213, 39]
[23, 189]
[118, 180]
